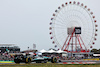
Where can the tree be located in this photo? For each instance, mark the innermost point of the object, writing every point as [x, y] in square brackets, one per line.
[95, 51]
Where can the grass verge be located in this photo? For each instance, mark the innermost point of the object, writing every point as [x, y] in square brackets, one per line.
[48, 65]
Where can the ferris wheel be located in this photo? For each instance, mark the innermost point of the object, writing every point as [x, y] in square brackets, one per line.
[73, 27]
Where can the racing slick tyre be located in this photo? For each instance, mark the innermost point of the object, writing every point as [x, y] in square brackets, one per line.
[17, 60]
[28, 60]
[53, 59]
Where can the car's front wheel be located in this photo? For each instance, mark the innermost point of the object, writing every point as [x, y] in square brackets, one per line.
[28, 60]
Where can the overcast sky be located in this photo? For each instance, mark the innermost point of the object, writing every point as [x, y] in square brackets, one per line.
[24, 22]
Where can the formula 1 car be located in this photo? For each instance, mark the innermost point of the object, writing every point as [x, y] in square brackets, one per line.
[20, 58]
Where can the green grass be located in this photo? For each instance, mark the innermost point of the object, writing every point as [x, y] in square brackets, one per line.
[46, 65]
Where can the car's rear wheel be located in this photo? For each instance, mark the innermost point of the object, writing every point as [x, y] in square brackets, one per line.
[17, 60]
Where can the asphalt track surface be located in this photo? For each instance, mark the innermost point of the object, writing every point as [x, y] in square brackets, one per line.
[79, 62]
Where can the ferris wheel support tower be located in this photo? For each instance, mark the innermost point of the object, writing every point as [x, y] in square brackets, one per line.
[74, 33]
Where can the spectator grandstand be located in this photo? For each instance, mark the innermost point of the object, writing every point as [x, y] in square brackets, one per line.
[5, 49]
[11, 48]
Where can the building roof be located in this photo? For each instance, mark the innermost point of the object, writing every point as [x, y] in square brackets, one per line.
[43, 51]
[61, 51]
[30, 50]
[7, 44]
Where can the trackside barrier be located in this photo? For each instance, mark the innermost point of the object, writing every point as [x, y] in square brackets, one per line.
[6, 61]
[92, 59]
[78, 63]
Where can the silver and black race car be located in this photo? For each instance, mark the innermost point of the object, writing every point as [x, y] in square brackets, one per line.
[21, 58]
